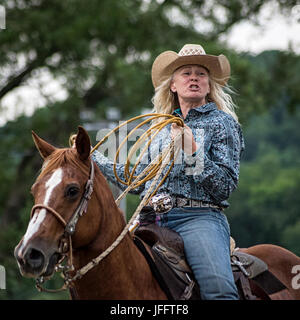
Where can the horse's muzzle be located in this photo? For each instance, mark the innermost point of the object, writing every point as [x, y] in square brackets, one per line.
[34, 262]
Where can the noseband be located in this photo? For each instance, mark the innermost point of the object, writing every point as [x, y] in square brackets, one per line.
[65, 245]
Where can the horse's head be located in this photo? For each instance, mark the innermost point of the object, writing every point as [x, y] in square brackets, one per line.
[57, 194]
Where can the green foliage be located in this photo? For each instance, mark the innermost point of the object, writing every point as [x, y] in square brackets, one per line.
[291, 237]
[265, 207]
[132, 202]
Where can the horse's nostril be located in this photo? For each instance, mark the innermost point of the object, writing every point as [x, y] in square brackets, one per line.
[34, 258]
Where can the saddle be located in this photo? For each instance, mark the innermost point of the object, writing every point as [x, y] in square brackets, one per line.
[164, 251]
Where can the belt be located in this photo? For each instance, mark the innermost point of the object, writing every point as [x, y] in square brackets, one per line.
[191, 203]
[162, 203]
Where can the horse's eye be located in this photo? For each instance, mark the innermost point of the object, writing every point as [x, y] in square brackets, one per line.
[72, 192]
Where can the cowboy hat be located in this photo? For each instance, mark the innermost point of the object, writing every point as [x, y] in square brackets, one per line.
[168, 61]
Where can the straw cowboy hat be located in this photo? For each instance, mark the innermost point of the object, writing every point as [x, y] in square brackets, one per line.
[167, 62]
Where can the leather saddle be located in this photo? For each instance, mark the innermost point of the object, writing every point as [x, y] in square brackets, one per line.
[164, 251]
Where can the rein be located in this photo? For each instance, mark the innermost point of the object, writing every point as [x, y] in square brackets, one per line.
[152, 171]
[65, 247]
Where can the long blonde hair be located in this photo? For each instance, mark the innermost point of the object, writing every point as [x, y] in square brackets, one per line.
[164, 100]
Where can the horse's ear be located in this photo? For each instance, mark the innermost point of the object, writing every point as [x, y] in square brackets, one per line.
[44, 148]
[83, 143]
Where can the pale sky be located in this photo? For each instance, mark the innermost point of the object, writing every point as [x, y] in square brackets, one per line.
[275, 32]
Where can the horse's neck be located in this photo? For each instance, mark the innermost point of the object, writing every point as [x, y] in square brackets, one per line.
[124, 273]
[103, 212]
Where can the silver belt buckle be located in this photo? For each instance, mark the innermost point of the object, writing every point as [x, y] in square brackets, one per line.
[161, 203]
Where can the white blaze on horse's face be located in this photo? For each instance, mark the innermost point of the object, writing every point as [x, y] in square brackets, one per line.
[38, 217]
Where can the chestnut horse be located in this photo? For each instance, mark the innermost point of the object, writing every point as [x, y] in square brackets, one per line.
[124, 273]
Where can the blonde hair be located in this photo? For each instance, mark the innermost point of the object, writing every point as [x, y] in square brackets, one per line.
[164, 100]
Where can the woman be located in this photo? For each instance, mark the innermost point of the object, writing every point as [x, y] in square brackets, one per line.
[191, 85]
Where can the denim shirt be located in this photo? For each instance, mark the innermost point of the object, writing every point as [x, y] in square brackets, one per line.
[210, 174]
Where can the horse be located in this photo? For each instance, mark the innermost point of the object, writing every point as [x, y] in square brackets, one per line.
[124, 274]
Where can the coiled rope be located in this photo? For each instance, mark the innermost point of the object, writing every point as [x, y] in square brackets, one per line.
[131, 180]
[152, 171]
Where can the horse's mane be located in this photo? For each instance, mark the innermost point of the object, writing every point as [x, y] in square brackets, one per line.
[61, 157]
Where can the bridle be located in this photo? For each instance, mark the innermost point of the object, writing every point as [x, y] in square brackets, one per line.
[69, 227]
[65, 246]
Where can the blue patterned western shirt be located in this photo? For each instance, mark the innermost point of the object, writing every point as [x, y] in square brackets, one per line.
[210, 174]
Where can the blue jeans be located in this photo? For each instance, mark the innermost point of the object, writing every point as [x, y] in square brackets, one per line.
[206, 236]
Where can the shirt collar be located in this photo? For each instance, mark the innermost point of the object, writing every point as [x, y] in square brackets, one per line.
[207, 107]
[177, 112]
[202, 109]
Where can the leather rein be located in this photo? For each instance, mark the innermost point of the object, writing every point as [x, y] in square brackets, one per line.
[65, 246]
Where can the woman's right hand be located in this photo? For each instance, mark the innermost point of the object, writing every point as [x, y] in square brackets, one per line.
[187, 143]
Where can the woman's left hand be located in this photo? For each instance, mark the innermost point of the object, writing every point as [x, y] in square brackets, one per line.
[189, 144]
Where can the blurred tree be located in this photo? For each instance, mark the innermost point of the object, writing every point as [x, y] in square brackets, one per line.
[291, 237]
[265, 207]
[94, 48]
